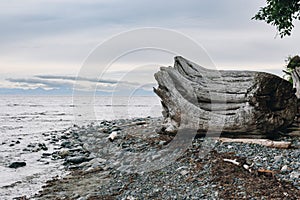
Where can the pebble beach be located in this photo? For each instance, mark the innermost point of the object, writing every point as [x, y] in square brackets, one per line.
[91, 174]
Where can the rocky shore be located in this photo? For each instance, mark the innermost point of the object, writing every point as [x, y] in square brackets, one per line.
[97, 166]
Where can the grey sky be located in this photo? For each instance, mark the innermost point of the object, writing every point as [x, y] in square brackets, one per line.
[53, 37]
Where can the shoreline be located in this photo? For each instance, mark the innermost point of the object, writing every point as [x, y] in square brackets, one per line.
[94, 175]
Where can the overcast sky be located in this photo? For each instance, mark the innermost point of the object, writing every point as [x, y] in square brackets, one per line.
[44, 38]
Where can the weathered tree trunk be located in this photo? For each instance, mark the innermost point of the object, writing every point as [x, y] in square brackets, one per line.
[241, 103]
[296, 80]
[294, 129]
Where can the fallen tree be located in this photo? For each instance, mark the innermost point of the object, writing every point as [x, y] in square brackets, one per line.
[241, 103]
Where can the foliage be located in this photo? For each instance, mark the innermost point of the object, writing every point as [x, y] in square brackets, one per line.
[281, 14]
[292, 63]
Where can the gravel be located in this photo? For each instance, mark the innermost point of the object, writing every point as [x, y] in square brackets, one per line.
[104, 169]
[285, 162]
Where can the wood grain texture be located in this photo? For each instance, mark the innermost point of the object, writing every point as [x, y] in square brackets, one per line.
[238, 102]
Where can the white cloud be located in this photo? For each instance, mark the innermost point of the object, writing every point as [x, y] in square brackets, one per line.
[55, 36]
[49, 82]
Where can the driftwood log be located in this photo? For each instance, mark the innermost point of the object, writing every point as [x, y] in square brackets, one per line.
[263, 142]
[296, 80]
[241, 103]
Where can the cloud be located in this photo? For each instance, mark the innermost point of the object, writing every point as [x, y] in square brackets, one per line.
[40, 82]
[38, 21]
[74, 78]
[39, 37]
[68, 83]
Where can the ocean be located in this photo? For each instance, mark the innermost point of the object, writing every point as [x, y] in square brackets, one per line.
[25, 120]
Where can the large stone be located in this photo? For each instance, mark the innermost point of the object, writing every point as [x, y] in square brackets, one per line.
[239, 103]
[78, 159]
[17, 164]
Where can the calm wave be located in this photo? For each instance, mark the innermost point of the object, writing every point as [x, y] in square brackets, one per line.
[26, 119]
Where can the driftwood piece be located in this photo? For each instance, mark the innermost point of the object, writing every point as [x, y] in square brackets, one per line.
[295, 133]
[231, 161]
[296, 80]
[239, 102]
[265, 172]
[112, 136]
[294, 65]
[235, 162]
[264, 142]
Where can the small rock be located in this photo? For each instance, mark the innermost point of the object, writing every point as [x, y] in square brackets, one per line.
[284, 168]
[162, 142]
[248, 162]
[141, 123]
[76, 149]
[46, 154]
[17, 164]
[64, 137]
[184, 172]
[183, 167]
[100, 160]
[25, 149]
[30, 145]
[63, 153]
[112, 136]
[35, 149]
[21, 198]
[115, 129]
[54, 140]
[66, 144]
[43, 146]
[246, 167]
[295, 175]
[78, 159]
[278, 158]
[130, 198]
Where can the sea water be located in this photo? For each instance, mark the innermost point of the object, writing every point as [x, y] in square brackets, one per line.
[25, 120]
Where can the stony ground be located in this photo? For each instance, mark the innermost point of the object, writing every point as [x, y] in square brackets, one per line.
[102, 169]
